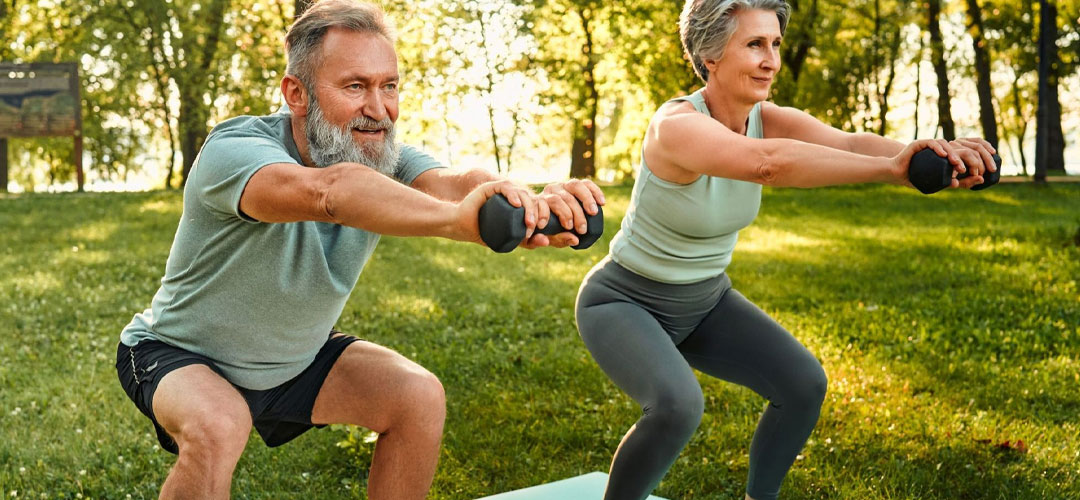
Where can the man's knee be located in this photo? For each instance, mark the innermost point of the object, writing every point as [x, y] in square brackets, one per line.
[424, 398]
[214, 434]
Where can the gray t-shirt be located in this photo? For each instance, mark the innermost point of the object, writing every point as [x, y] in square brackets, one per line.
[257, 298]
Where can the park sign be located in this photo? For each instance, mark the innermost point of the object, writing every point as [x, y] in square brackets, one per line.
[36, 100]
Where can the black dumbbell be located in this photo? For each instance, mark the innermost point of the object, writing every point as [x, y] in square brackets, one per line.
[931, 173]
[502, 225]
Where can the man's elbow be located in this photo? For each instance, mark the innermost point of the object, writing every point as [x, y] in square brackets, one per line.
[330, 193]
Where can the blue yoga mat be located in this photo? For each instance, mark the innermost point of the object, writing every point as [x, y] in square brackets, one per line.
[585, 487]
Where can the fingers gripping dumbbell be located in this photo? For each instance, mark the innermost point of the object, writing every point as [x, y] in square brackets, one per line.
[502, 226]
[931, 173]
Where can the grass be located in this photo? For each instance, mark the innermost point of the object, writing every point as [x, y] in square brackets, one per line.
[949, 325]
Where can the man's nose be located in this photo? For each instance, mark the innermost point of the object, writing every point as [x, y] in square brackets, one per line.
[375, 106]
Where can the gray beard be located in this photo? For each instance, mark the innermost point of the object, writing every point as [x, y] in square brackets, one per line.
[328, 144]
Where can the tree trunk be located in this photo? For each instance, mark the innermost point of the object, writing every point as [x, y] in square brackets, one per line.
[192, 131]
[193, 84]
[937, 55]
[1049, 142]
[987, 116]
[918, 83]
[583, 151]
[1023, 122]
[804, 40]
[490, 91]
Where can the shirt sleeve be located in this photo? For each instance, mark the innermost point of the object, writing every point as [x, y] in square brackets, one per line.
[226, 163]
[412, 163]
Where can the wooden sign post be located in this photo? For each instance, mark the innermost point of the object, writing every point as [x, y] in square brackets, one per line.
[37, 100]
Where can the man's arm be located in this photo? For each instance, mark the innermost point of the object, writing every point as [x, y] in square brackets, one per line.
[352, 195]
[452, 185]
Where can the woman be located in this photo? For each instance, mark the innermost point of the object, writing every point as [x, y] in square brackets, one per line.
[661, 304]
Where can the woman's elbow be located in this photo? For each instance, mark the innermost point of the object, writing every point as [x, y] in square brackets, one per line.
[768, 174]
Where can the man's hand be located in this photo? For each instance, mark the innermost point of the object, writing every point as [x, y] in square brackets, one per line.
[466, 219]
[565, 200]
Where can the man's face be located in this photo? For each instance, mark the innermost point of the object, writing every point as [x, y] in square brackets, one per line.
[353, 102]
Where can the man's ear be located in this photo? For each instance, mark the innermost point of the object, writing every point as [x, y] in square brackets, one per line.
[295, 94]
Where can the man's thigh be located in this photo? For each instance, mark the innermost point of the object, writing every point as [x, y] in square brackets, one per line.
[369, 385]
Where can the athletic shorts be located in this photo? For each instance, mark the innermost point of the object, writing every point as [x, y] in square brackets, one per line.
[279, 414]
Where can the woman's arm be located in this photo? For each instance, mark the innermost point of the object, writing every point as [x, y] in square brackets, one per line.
[680, 138]
[974, 153]
[796, 124]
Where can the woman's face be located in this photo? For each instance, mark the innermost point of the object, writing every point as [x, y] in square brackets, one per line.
[752, 57]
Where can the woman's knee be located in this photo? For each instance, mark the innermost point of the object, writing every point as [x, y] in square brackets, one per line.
[679, 411]
[808, 392]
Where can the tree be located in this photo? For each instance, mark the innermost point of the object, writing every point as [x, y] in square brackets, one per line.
[937, 56]
[567, 34]
[1049, 140]
[987, 116]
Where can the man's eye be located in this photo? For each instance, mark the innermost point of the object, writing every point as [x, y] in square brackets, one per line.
[355, 86]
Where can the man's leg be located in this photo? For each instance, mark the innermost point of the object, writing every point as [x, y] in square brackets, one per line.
[210, 422]
[379, 389]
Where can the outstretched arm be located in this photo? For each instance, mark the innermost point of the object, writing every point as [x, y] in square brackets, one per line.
[973, 153]
[355, 195]
[796, 124]
[680, 139]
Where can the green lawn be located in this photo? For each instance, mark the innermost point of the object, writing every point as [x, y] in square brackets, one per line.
[948, 325]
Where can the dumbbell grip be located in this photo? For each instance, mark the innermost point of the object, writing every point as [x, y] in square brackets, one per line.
[502, 225]
[930, 173]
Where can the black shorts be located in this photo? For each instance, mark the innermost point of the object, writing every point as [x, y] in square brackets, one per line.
[280, 414]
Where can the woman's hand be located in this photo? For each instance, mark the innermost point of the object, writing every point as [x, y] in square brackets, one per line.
[977, 155]
[902, 161]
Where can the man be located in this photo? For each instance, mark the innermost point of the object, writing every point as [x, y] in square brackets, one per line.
[281, 213]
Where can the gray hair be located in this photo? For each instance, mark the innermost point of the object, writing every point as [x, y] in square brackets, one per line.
[706, 27]
[305, 36]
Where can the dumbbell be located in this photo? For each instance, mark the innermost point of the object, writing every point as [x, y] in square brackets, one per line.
[931, 173]
[502, 225]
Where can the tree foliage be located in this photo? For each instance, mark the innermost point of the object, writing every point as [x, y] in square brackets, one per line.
[537, 83]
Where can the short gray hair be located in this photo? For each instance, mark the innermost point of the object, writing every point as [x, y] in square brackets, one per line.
[706, 27]
[305, 36]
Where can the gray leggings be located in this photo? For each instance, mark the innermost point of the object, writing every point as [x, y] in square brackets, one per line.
[646, 335]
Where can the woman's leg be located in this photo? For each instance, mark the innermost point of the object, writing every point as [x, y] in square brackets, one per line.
[639, 356]
[739, 343]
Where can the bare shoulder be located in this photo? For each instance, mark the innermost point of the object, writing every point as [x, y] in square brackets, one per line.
[653, 150]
